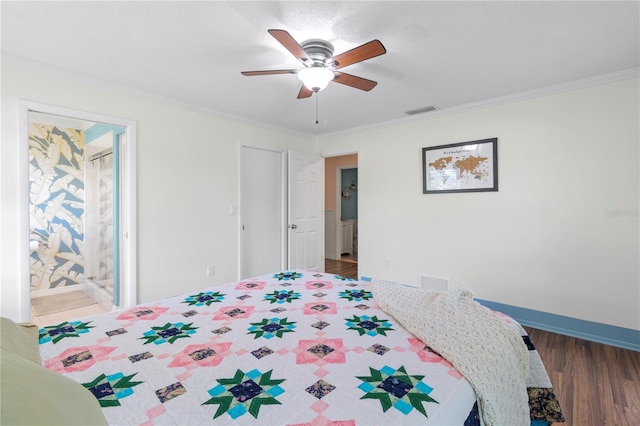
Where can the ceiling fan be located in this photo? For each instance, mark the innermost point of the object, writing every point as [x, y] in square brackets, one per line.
[321, 65]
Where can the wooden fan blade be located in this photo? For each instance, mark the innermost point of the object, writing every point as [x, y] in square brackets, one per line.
[357, 54]
[354, 81]
[305, 92]
[290, 44]
[268, 72]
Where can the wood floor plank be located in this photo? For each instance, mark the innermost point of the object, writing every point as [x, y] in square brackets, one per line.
[596, 384]
[346, 269]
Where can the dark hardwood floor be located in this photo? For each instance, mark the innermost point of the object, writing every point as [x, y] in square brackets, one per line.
[346, 269]
[596, 384]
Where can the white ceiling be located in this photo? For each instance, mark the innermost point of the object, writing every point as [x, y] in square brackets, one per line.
[448, 54]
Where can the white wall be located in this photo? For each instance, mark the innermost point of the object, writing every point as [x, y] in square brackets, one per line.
[560, 236]
[187, 181]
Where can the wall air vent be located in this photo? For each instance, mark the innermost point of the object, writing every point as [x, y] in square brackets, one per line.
[422, 110]
[433, 283]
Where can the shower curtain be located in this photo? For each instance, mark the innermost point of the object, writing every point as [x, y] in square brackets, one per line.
[102, 257]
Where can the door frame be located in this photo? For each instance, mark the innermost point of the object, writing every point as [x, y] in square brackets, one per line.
[283, 201]
[129, 224]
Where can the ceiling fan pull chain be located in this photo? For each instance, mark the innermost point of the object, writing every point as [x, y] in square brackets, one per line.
[317, 95]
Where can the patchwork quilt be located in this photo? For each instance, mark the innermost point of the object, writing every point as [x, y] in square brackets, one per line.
[295, 347]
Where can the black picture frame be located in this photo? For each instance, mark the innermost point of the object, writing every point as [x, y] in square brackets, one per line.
[460, 167]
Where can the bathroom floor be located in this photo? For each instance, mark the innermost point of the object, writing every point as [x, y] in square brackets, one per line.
[58, 317]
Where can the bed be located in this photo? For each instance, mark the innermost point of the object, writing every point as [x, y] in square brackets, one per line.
[293, 347]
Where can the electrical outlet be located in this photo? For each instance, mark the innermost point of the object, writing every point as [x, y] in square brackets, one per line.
[211, 270]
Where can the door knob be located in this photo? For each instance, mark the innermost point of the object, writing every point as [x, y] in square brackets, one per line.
[294, 226]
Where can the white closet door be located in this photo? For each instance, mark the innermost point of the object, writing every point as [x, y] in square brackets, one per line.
[261, 208]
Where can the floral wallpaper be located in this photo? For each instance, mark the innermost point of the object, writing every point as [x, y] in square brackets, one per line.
[56, 191]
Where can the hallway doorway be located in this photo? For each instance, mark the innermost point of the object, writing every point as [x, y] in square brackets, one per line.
[341, 215]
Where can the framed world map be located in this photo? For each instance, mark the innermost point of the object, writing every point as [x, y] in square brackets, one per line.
[461, 167]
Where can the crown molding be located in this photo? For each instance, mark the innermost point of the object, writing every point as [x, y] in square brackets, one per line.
[27, 64]
[516, 97]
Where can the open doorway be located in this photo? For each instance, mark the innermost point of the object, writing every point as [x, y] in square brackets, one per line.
[341, 215]
[81, 227]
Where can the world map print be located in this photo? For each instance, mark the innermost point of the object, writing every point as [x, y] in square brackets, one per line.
[467, 166]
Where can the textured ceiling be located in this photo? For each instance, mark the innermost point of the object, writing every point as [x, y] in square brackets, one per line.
[447, 54]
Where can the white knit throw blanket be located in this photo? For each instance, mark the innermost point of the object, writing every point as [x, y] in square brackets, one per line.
[482, 346]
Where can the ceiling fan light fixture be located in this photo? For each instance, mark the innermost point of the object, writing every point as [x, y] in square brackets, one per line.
[315, 78]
